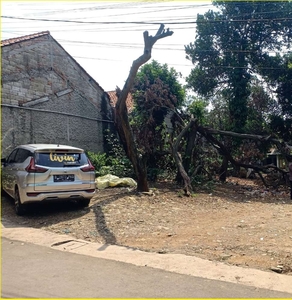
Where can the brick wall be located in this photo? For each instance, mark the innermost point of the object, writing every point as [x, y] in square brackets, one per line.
[47, 97]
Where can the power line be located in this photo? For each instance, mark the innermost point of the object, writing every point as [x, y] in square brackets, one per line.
[149, 23]
[181, 65]
[159, 47]
[187, 22]
[96, 22]
[133, 5]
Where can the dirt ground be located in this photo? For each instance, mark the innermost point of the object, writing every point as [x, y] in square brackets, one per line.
[238, 222]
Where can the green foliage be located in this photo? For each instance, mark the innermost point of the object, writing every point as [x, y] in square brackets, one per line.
[98, 160]
[115, 148]
[105, 164]
[119, 164]
[120, 167]
[281, 78]
[232, 45]
[260, 106]
[157, 93]
[114, 162]
[281, 127]
[148, 75]
[198, 108]
[218, 116]
[153, 173]
[201, 82]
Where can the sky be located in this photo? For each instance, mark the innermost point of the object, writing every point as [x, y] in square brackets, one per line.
[105, 37]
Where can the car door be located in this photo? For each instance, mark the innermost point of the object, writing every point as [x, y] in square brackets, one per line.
[8, 177]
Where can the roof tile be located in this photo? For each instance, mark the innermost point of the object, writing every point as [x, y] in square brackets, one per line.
[114, 99]
[23, 38]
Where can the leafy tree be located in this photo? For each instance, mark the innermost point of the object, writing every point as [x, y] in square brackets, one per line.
[233, 44]
[284, 86]
[198, 108]
[153, 71]
[260, 106]
[232, 48]
[192, 154]
[280, 77]
[157, 94]
[217, 117]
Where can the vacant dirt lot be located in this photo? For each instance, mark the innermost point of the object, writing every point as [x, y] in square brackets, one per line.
[238, 222]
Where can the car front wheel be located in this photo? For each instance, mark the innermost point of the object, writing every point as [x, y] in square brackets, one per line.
[19, 207]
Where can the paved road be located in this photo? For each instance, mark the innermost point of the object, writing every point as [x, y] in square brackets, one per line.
[30, 270]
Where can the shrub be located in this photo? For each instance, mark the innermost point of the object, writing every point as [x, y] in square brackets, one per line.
[98, 160]
[106, 164]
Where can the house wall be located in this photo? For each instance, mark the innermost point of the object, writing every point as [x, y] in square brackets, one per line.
[47, 97]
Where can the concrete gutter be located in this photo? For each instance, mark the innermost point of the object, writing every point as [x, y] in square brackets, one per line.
[178, 263]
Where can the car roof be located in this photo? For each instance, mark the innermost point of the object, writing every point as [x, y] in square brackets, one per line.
[36, 147]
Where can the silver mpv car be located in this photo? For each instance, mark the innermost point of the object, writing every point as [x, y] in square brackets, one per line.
[40, 172]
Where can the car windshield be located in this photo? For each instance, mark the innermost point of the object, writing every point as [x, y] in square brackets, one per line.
[60, 160]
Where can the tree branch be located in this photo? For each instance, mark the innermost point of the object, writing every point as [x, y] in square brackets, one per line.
[178, 160]
[121, 114]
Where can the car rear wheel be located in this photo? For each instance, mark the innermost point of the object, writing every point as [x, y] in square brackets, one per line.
[19, 207]
[84, 202]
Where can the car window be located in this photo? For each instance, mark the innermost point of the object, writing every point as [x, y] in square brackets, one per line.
[11, 157]
[60, 160]
[22, 155]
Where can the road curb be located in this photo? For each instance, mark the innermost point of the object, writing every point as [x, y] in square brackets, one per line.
[178, 263]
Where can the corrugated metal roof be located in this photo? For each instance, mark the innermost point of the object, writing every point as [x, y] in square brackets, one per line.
[23, 38]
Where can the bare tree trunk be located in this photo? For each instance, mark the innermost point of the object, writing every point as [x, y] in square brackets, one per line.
[178, 160]
[208, 134]
[223, 169]
[191, 139]
[187, 159]
[121, 113]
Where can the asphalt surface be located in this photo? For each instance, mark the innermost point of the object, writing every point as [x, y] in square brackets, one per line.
[42, 264]
[30, 271]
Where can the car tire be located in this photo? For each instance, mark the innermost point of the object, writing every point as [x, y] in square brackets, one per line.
[2, 192]
[19, 207]
[84, 202]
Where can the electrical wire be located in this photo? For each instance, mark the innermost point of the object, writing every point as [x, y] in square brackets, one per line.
[128, 25]
[150, 23]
